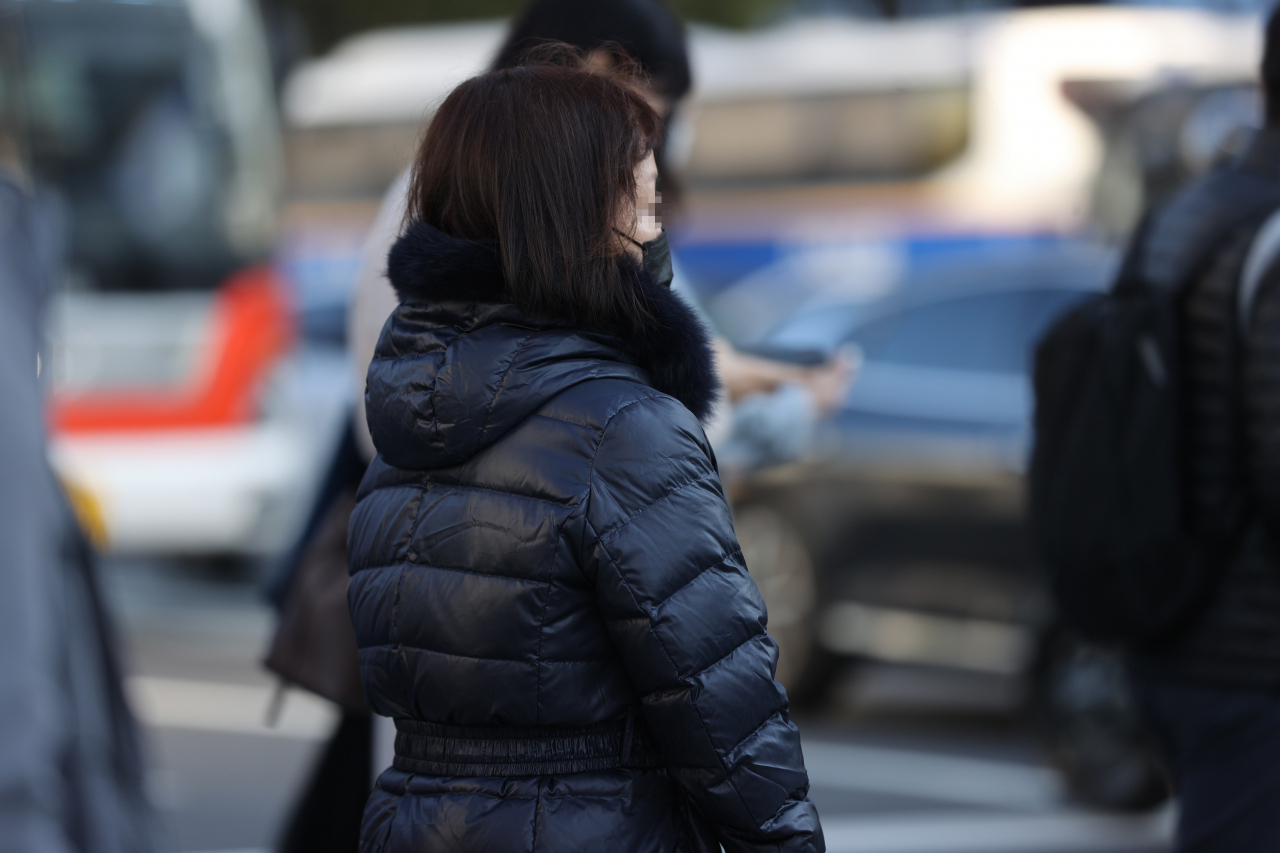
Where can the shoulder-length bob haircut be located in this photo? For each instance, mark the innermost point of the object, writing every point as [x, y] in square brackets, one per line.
[541, 157]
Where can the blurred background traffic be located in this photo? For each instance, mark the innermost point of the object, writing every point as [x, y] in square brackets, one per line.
[925, 183]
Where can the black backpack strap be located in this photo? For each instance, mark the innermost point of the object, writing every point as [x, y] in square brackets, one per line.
[1263, 230]
[1130, 278]
[1260, 267]
[1262, 260]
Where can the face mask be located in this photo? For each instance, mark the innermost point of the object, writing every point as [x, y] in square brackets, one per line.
[656, 258]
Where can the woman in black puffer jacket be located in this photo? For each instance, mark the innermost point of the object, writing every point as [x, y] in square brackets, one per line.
[546, 588]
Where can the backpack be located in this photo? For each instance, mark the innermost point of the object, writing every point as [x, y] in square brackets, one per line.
[1105, 480]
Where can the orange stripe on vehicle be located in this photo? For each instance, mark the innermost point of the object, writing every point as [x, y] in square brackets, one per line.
[250, 329]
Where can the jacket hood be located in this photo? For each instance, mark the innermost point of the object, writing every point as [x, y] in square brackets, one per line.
[458, 365]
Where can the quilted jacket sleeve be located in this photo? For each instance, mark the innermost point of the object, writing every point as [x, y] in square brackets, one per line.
[690, 626]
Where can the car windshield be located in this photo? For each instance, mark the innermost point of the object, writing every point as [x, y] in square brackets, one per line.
[991, 332]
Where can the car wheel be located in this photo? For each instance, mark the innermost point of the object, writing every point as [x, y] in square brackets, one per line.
[1094, 730]
[780, 564]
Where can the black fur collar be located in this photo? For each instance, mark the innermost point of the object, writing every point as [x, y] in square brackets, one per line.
[427, 265]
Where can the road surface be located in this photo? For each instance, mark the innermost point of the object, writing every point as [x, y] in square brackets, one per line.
[948, 775]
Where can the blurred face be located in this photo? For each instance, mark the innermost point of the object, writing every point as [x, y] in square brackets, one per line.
[639, 220]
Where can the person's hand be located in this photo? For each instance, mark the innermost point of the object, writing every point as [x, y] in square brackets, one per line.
[829, 383]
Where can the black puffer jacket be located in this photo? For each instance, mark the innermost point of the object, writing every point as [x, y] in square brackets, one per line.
[1231, 415]
[546, 588]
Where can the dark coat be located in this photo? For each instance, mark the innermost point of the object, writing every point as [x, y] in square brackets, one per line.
[1231, 413]
[71, 765]
[546, 588]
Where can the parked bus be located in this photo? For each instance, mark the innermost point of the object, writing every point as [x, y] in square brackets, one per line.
[151, 131]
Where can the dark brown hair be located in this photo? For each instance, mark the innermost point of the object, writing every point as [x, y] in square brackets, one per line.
[541, 157]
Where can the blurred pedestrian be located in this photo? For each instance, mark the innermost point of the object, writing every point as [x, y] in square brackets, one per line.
[70, 764]
[1156, 480]
[546, 588]
[1214, 690]
[314, 649]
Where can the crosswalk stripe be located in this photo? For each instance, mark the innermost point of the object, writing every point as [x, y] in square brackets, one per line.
[951, 779]
[1032, 797]
[232, 708]
[951, 832]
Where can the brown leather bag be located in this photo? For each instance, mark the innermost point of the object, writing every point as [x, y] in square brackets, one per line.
[315, 645]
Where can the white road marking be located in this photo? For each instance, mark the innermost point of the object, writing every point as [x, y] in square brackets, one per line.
[1064, 832]
[1047, 828]
[235, 708]
[952, 779]
[949, 833]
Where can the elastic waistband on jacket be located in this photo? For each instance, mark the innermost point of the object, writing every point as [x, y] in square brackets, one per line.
[433, 749]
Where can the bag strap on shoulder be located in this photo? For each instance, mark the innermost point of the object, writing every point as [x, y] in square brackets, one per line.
[1259, 259]
[1129, 279]
[1263, 256]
